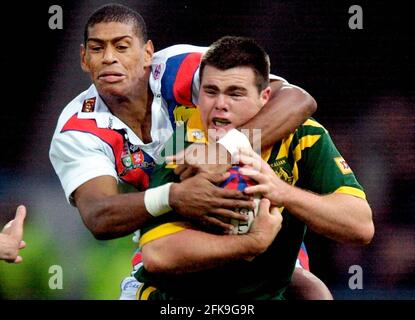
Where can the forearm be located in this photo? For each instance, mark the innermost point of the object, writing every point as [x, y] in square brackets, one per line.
[193, 250]
[109, 217]
[341, 217]
[287, 109]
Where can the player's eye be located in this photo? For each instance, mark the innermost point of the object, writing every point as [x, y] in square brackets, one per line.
[95, 48]
[209, 92]
[122, 47]
[236, 94]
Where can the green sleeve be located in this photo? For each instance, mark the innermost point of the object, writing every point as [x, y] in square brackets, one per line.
[322, 168]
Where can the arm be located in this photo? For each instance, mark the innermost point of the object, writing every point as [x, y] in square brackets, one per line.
[87, 173]
[11, 237]
[306, 286]
[288, 107]
[342, 217]
[193, 250]
[109, 214]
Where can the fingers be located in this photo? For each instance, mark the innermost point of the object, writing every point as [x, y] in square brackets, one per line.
[233, 204]
[16, 229]
[229, 214]
[227, 227]
[275, 211]
[260, 188]
[251, 159]
[18, 259]
[189, 172]
[20, 214]
[217, 178]
[231, 194]
[179, 169]
[177, 158]
[264, 206]
[22, 244]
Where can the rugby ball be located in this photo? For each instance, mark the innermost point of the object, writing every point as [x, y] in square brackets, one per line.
[237, 181]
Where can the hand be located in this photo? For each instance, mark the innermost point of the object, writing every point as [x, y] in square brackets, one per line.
[269, 185]
[199, 198]
[265, 227]
[197, 158]
[11, 237]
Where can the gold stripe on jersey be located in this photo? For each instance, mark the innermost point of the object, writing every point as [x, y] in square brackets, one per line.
[313, 123]
[162, 231]
[143, 292]
[285, 146]
[265, 155]
[305, 142]
[351, 191]
[146, 293]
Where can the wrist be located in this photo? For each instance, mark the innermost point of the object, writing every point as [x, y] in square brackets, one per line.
[156, 200]
[173, 195]
[233, 141]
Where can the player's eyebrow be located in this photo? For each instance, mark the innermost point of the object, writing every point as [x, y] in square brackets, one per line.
[210, 86]
[236, 88]
[116, 39]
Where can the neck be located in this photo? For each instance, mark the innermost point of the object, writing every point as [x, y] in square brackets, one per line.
[134, 112]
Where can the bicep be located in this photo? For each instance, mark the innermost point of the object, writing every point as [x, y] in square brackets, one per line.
[79, 157]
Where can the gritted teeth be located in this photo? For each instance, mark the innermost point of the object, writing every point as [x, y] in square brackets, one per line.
[220, 122]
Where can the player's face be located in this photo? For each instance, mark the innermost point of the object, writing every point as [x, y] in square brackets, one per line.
[229, 98]
[116, 59]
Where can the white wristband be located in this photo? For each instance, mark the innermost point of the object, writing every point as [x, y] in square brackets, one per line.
[234, 140]
[156, 200]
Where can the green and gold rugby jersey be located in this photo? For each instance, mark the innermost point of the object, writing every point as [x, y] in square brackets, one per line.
[307, 159]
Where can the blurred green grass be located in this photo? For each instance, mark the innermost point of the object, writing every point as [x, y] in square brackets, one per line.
[91, 271]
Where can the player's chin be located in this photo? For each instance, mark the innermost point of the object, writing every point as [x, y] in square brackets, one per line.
[112, 90]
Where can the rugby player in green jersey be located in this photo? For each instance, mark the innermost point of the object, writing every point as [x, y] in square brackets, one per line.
[303, 175]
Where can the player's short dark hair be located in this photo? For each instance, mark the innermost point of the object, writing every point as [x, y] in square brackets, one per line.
[230, 52]
[115, 12]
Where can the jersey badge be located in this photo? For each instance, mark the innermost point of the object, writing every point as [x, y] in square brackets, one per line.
[283, 170]
[89, 105]
[157, 71]
[342, 165]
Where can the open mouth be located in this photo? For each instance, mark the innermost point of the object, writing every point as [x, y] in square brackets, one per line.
[220, 122]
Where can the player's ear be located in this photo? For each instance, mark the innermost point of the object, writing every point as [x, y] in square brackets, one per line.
[148, 53]
[265, 95]
[84, 64]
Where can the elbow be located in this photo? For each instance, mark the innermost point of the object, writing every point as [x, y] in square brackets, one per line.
[308, 105]
[305, 102]
[366, 234]
[151, 260]
[311, 105]
[366, 230]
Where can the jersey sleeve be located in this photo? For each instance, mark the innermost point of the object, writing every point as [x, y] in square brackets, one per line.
[78, 157]
[321, 165]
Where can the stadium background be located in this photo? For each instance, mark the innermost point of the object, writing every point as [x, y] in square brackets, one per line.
[361, 79]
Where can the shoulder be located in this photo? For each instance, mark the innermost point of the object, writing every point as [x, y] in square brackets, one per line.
[312, 125]
[71, 109]
[177, 50]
